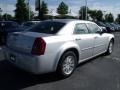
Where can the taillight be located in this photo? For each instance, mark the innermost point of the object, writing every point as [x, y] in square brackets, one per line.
[39, 47]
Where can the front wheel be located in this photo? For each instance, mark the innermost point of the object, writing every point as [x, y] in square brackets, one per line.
[67, 64]
[110, 48]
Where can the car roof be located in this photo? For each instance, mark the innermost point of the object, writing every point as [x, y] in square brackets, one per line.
[69, 20]
[33, 21]
[7, 22]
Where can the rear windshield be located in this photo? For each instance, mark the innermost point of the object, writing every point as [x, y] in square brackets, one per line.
[49, 27]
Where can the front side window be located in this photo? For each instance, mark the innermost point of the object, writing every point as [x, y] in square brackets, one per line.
[80, 29]
[28, 24]
[93, 28]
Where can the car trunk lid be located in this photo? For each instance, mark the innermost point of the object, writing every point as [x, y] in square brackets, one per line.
[24, 41]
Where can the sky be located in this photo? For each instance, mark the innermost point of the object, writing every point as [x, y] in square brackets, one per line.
[106, 6]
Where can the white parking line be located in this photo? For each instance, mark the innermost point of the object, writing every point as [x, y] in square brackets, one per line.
[114, 58]
[0, 48]
[117, 59]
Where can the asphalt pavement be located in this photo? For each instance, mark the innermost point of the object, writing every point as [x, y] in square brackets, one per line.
[100, 73]
[1, 54]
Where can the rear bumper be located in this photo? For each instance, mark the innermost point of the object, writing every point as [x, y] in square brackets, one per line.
[30, 63]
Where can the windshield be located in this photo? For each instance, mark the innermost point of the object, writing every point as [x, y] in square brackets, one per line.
[49, 27]
[107, 24]
[102, 24]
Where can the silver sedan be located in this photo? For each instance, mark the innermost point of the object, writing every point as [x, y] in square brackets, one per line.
[57, 45]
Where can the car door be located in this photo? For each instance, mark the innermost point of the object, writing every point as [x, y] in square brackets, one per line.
[84, 40]
[100, 40]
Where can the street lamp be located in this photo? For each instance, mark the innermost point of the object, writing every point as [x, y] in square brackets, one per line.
[104, 12]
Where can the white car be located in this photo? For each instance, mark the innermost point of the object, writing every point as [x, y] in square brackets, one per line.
[57, 45]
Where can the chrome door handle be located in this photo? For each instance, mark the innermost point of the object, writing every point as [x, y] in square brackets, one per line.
[77, 39]
[95, 37]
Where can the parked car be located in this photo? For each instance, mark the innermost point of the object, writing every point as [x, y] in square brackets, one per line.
[57, 45]
[104, 26]
[29, 24]
[100, 24]
[116, 26]
[8, 27]
[110, 27]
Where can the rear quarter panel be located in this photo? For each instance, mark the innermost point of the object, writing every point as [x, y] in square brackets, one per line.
[56, 46]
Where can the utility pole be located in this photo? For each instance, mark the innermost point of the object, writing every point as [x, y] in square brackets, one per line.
[39, 10]
[1, 13]
[86, 9]
[104, 12]
[51, 12]
[6, 11]
[82, 13]
[70, 12]
[28, 7]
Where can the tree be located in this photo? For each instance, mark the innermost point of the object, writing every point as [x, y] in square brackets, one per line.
[109, 17]
[43, 10]
[82, 12]
[96, 15]
[99, 15]
[7, 16]
[92, 14]
[21, 12]
[118, 18]
[62, 9]
[31, 15]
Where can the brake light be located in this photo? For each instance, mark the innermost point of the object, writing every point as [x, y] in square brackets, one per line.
[39, 47]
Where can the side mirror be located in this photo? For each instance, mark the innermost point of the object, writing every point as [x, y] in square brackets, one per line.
[104, 30]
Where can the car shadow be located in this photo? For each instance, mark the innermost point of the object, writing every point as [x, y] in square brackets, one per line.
[14, 78]
[92, 60]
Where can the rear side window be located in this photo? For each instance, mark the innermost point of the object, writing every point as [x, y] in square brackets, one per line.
[80, 28]
[93, 28]
[49, 27]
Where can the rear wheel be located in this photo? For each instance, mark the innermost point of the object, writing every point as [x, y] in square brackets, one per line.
[67, 64]
[110, 48]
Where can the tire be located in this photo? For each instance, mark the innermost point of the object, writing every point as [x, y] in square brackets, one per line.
[67, 64]
[110, 47]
